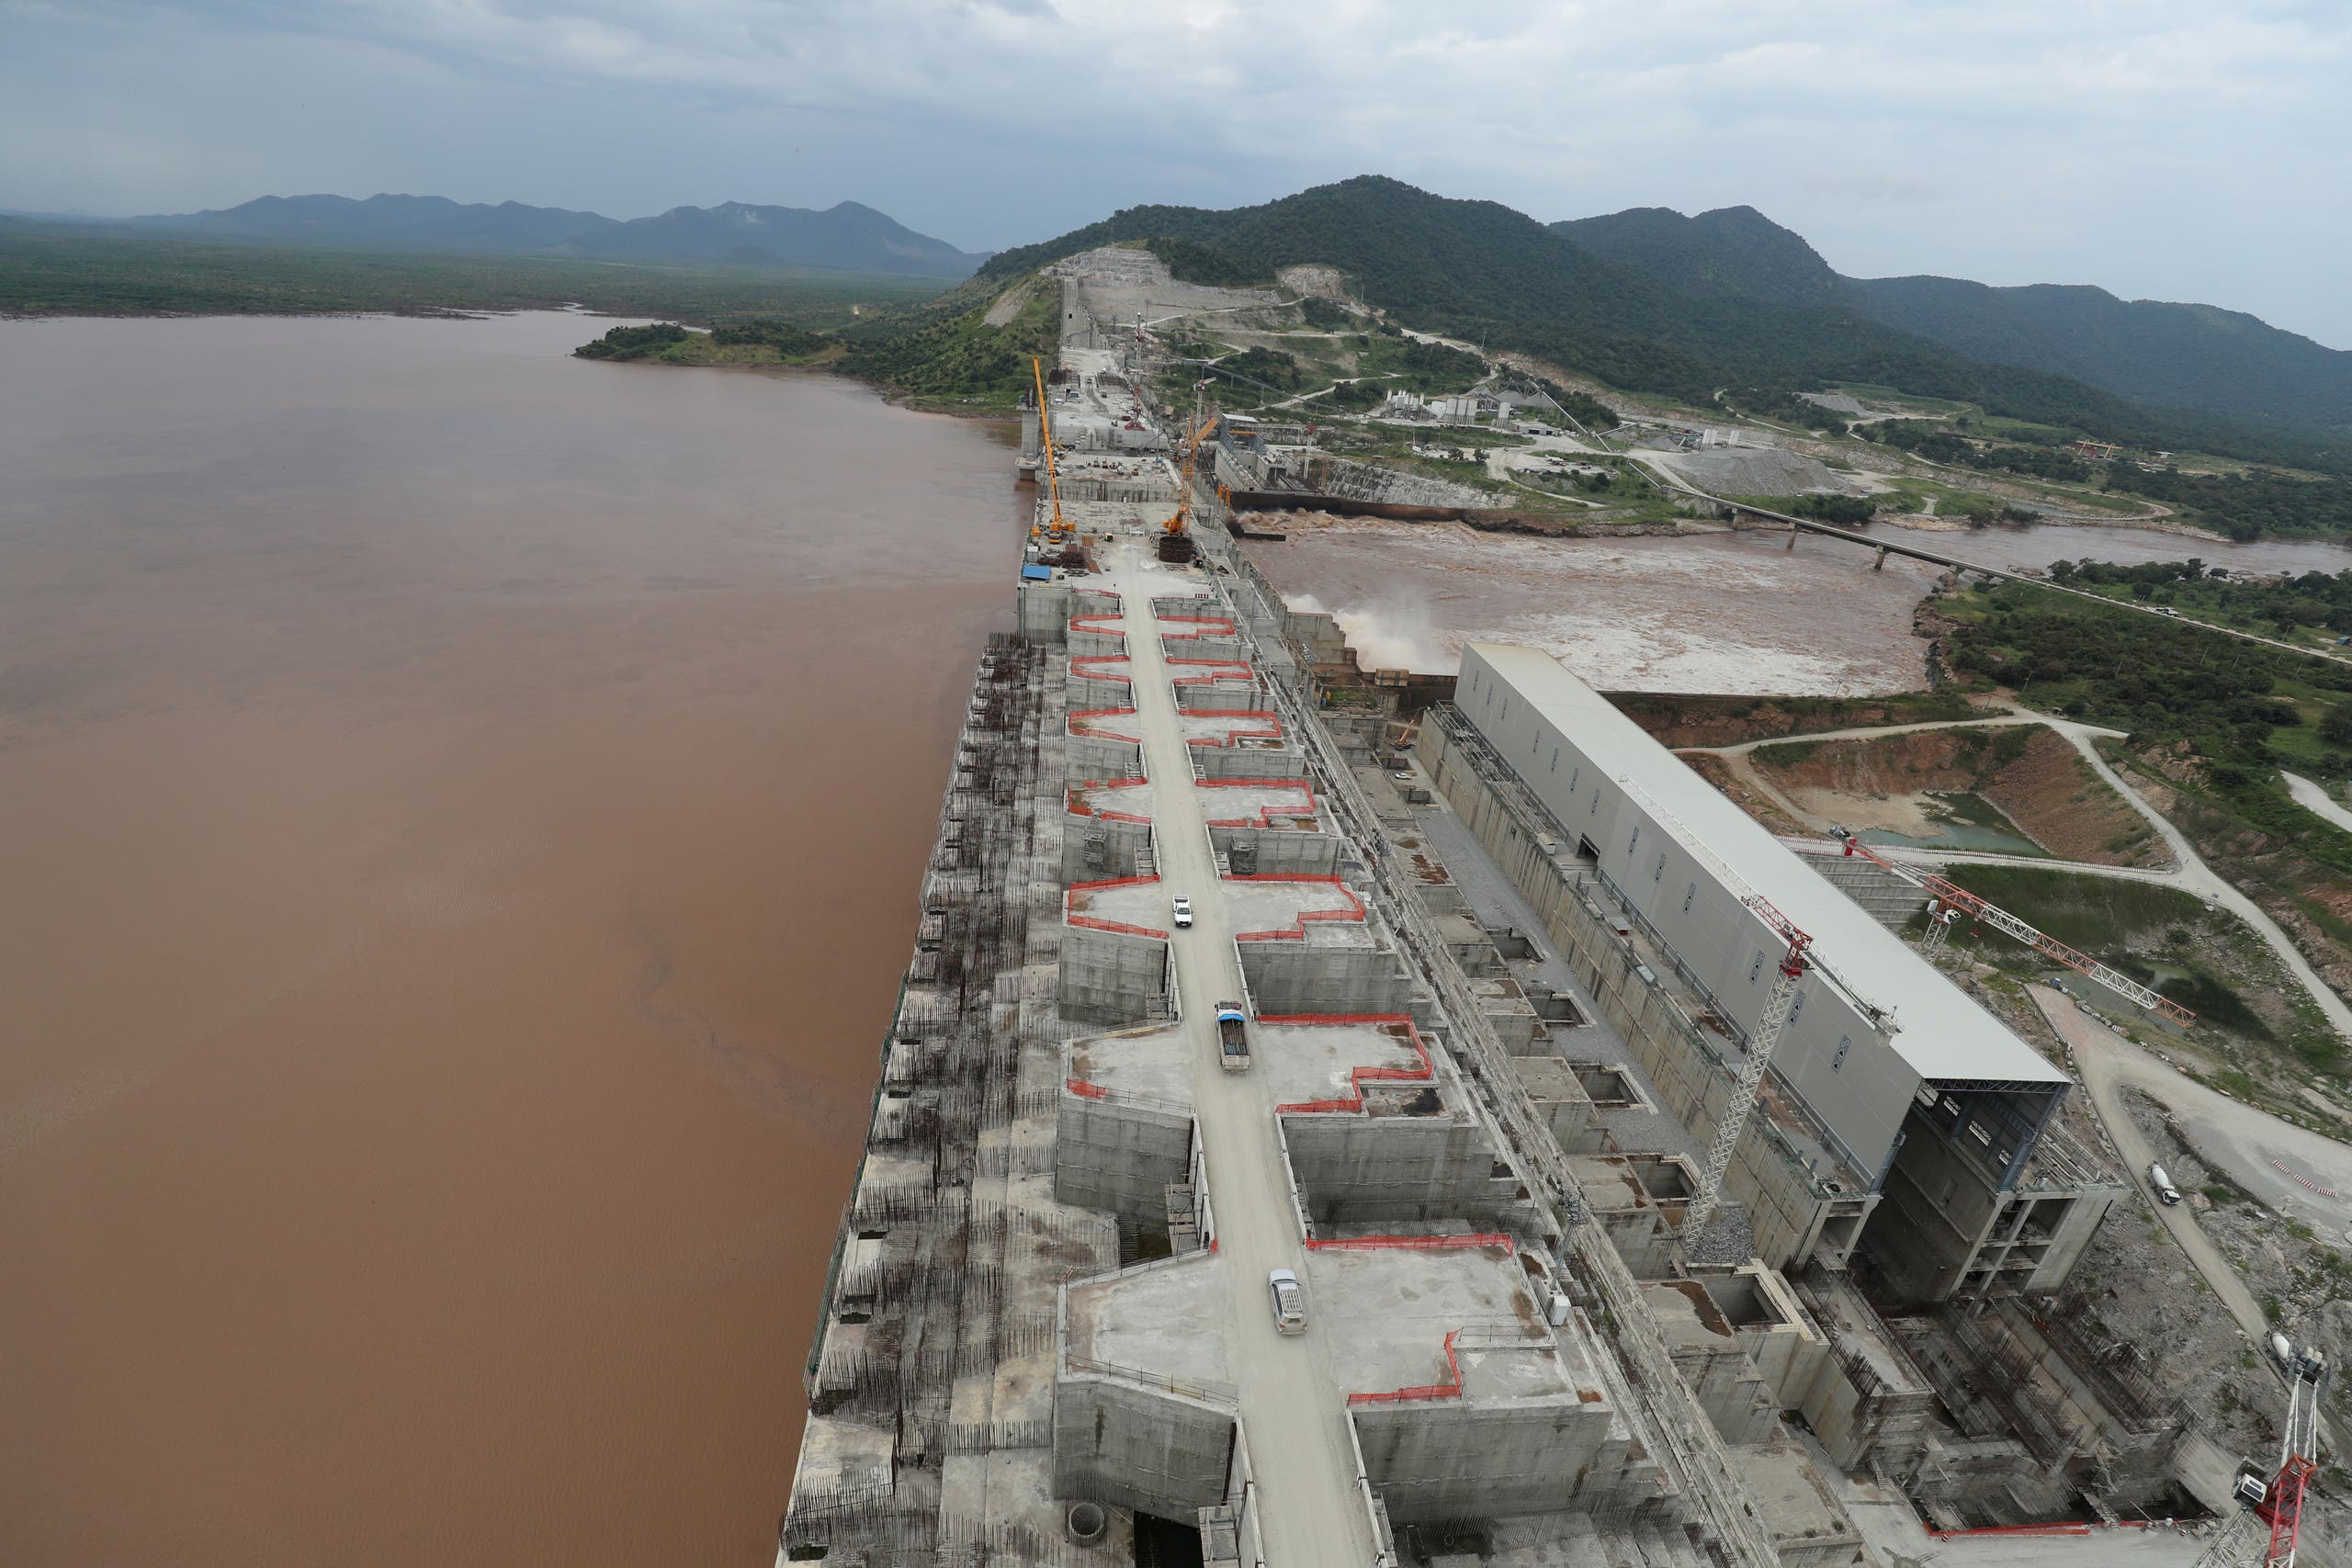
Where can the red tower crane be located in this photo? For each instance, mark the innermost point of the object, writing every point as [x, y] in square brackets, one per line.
[1951, 900]
[2277, 1506]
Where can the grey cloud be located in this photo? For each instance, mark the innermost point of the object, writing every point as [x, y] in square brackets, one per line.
[2158, 147]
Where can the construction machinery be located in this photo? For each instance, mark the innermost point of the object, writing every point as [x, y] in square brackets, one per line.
[1175, 543]
[2262, 1535]
[1948, 901]
[1057, 534]
[1752, 1065]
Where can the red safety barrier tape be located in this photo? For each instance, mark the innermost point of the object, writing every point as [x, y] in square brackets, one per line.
[1078, 808]
[1409, 1242]
[1219, 622]
[1263, 820]
[1091, 922]
[2058, 1528]
[2307, 1181]
[1082, 723]
[1091, 1090]
[1452, 1388]
[1359, 1077]
[1271, 730]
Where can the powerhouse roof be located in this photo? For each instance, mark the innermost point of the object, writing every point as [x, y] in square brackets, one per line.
[1945, 1036]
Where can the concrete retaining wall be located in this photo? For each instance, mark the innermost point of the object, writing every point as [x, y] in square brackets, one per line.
[1295, 977]
[1271, 851]
[1231, 649]
[1218, 696]
[1044, 609]
[1118, 1156]
[1097, 849]
[1353, 1169]
[1446, 1460]
[1112, 977]
[1890, 900]
[1086, 692]
[1248, 762]
[1138, 1446]
[1100, 757]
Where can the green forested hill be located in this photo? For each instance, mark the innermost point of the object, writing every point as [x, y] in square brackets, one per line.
[2190, 356]
[1731, 251]
[1480, 271]
[2187, 357]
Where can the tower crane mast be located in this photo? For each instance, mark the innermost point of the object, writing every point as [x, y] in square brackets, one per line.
[1778, 1004]
[1796, 961]
[2265, 1534]
[1060, 530]
[1175, 524]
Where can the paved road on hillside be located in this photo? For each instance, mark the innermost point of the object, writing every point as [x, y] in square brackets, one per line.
[1311, 1509]
[2315, 800]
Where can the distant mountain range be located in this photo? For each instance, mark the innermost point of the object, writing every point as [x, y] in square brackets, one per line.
[1650, 300]
[2196, 357]
[846, 237]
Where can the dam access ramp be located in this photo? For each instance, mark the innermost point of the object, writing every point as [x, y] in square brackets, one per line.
[1050, 1333]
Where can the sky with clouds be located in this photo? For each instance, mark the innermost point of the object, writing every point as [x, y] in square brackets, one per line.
[2161, 149]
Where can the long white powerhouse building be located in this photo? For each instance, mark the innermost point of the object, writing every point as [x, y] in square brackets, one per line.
[1903, 1084]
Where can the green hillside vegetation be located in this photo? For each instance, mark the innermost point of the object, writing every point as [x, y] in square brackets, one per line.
[757, 341]
[2315, 608]
[2244, 507]
[2135, 927]
[1411, 365]
[2184, 357]
[634, 343]
[948, 354]
[1939, 445]
[1191, 263]
[2211, 721]
[1480, 271]
[1582, 407]
[1782, 405]
[2194, 357]
[54, 271]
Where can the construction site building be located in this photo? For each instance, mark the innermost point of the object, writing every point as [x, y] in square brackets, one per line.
[1889, 1087]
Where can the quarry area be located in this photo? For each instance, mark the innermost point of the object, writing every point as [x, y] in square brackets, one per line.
[1361, 1095]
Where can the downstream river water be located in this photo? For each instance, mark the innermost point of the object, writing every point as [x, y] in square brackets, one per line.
[461, 809]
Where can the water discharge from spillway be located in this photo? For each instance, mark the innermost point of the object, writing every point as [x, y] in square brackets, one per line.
[461, 810]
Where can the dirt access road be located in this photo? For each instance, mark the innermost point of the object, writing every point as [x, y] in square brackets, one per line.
[2247, 1142]
[2238, 1137]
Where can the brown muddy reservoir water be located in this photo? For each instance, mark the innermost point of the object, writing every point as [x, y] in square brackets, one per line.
[461, 813]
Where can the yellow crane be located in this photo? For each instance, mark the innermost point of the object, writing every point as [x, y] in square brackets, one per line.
[1185, 490]
[1060, 530]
